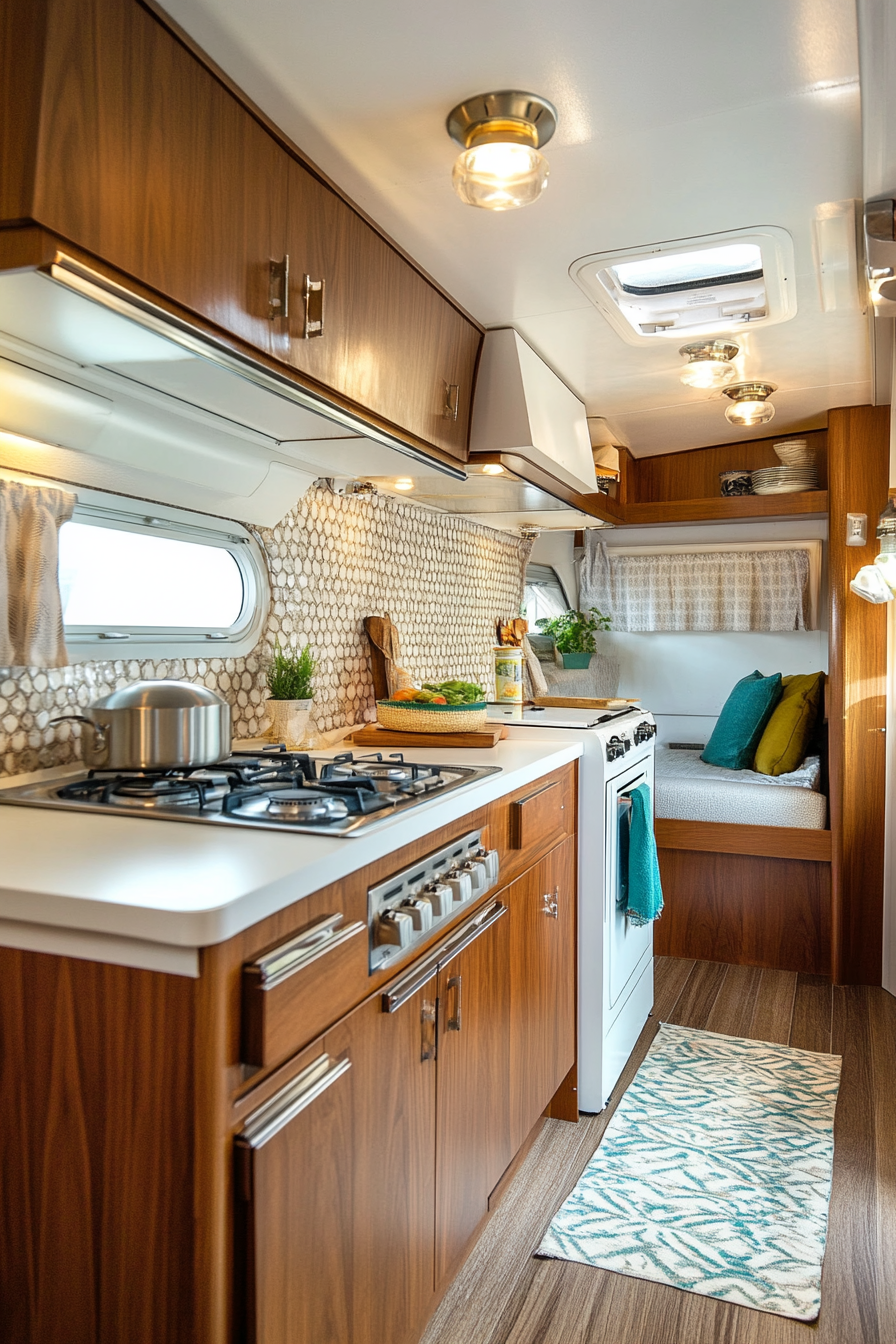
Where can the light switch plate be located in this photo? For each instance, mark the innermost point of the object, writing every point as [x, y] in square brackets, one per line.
[856, 529]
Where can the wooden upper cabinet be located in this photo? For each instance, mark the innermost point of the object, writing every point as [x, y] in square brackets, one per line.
[116, 137]
[364, 322]
[147, 161]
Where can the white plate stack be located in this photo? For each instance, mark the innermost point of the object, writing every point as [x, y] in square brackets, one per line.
[797, 471]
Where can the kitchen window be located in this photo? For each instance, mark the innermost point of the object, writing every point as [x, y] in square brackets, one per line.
[543, 595]
[161, 584]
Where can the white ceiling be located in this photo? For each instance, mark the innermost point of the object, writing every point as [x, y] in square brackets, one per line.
[675, 120]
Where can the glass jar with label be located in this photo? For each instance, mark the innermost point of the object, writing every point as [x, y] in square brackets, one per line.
[508, 675]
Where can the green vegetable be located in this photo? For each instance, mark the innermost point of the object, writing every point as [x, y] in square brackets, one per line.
[574, 632]
[456, 692]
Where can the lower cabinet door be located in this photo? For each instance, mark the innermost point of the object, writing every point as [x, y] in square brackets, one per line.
[474, 1145]
[542, 985]
[335, 1186]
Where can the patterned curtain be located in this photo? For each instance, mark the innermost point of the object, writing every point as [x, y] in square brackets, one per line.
[31, 633]
[720, 590]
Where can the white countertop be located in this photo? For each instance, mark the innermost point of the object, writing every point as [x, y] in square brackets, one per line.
[147, 892]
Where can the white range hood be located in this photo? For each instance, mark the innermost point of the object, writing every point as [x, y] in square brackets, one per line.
[526, 418]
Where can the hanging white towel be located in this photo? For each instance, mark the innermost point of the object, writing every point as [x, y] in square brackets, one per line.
[31, 633]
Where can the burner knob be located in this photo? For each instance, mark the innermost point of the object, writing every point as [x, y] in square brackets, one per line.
[420, 911]
[493, 863]
[461, 885]
[478, 870]
[440, 897]
[395, 927]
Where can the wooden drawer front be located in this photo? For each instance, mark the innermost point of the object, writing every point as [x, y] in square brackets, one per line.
[295, 990]
[530, 822]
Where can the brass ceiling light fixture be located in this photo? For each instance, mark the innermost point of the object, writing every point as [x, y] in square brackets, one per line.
[750, 404]
[501, 135]
[710, 363]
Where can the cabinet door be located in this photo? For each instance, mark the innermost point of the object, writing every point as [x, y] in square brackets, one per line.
[335, 1186]
[474, 1145]
[542, 985]
[147, 161]
[377, 333]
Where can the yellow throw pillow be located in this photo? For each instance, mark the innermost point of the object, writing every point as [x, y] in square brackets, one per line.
[784, 743]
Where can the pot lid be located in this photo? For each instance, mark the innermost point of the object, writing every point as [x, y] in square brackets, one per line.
[161, 695]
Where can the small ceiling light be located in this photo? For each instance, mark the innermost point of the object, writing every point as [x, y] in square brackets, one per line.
[709, 364]
[403, 483]
[493, 469]
[750, 404]
[500, 135]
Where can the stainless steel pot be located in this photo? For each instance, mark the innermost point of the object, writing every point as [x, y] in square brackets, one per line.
[154, 725]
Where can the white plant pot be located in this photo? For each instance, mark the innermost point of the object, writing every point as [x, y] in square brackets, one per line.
[289, 721]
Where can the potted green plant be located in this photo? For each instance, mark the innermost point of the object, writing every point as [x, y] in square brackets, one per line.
[290, 678]
[573, 634]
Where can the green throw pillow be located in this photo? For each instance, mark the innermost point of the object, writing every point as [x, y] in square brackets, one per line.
[742, 720]
[784, 743]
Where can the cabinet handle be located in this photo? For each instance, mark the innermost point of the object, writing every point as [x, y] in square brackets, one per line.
[313, 292]
[313, 942]
[452, 401]
[470, 931]
[427, 1030]
[455, 983]
[278, 289]
[406, 989]
[291, 1100]
[551, 904]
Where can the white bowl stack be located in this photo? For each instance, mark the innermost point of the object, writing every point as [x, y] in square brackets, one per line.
[797, 472]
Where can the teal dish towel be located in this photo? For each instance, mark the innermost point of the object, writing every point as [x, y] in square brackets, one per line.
[645, 892]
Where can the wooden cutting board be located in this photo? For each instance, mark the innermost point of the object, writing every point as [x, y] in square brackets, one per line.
[376, 736]
[580, 702]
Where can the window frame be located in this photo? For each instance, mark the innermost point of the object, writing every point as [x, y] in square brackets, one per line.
[123, 514]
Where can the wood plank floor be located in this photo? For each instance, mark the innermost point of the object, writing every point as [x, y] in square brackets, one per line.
[504, 1296]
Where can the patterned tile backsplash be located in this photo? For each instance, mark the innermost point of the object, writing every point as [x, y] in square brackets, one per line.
[332, 561]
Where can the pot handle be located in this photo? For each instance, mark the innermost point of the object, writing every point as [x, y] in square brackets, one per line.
[100, 741]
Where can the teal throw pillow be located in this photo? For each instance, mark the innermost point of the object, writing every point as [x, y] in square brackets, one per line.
[742, 722]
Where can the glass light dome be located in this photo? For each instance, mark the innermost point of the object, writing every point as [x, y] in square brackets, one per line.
[750, 404]
[709, 364]
[500, 176]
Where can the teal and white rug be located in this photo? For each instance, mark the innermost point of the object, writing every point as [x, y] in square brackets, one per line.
[714, 1175]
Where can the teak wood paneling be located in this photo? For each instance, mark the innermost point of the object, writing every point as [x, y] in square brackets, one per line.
[858, 442]
[812, 502]
[97, 1138]
[517, 859]
[773, 842]
[746, 909]
[694, 474]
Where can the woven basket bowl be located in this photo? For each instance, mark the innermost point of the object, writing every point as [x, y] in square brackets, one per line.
[403, 716]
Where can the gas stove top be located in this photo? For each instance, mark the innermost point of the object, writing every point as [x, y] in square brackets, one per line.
[271, 790]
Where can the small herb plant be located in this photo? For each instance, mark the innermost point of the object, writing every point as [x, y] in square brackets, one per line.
[574, 631]
[290, 675]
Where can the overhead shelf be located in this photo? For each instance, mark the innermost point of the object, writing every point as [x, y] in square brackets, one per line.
[721, 508]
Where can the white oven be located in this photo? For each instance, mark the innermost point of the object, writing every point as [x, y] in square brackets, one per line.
[615, 957]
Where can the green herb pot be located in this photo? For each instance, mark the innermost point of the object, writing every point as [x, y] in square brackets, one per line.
[579, 660]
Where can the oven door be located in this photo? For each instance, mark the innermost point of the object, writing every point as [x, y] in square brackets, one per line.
[627, 943]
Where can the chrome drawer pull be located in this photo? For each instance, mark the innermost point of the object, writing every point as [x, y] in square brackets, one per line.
[278, 289]
[407, 988]
[452, 401]
[291, 1100]
[471, 931]
[551, 904]
[313, 292]
[313, 942]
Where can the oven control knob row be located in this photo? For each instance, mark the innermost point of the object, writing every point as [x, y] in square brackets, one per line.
[616, 747]
[478, 870]
[645, 731]
[420, 911]
[395, 927]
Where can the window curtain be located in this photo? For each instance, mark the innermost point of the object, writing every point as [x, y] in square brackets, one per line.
[31, 633]
[722, 590]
